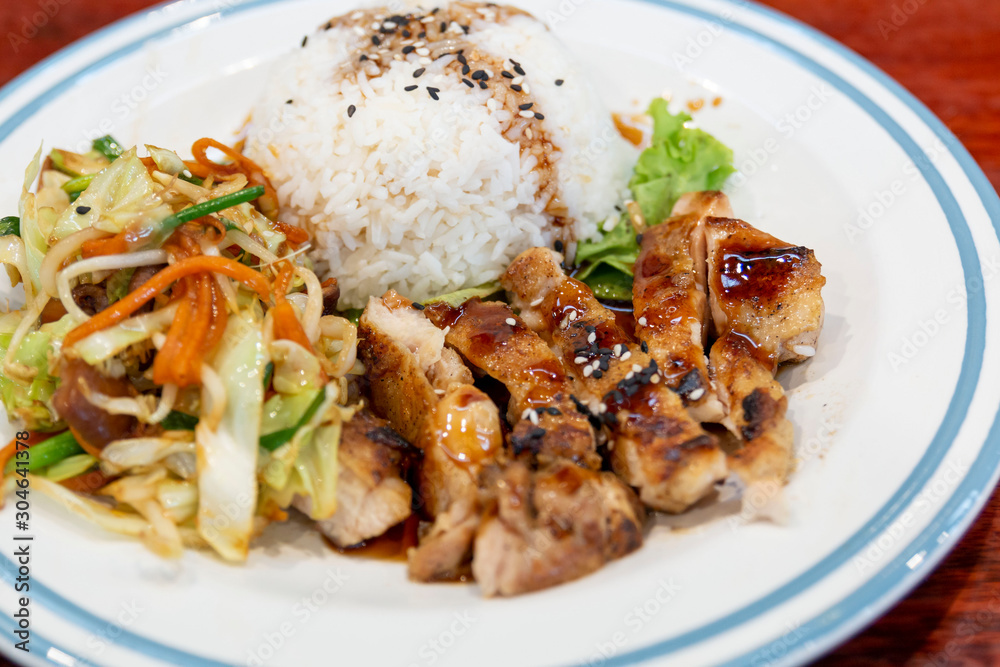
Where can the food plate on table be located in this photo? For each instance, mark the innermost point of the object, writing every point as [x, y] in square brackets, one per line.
[892, 420]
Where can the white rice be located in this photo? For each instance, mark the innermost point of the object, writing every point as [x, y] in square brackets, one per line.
[427, 196]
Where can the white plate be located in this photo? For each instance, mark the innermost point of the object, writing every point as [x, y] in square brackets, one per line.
[895, 417]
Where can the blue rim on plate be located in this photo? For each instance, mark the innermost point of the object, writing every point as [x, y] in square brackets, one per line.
[894, 579]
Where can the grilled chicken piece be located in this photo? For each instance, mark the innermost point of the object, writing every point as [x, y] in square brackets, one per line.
[553, 526]
[461, 435]
[670, 297]
[766, 303]
[546, 421]
[408, 366]
[372, 495]
[658, 447]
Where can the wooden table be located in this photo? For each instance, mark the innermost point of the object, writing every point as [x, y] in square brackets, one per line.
[948, 54]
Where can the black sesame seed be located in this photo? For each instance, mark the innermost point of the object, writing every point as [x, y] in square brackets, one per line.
[350, 110]
[539, 116]
[418, 72]
[418, 306]
[462, 59]
[516, 88]
[408, 49]
[444, 26]
[422, 34]
[558, 245]
[479, 74]
[465, 29]
[559, 82]
[525, 106]
[468, 83]
[589, 328]
[638, 239]
[514, 62]
[603, 364]
[288, 101]
[375, 40]
[406, 34]
[363, 58]
[644, 347]
[597, 374]
[433, 92]
[466, 69]
[517, 68]
[555, 412]
[507, 75]
[409, 88]
[82, 210]
[537, 432]
[435, 10]
[329, 24]
[482, 84]
[305, 40]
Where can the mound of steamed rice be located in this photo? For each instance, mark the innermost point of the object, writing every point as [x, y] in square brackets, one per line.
[416, 173]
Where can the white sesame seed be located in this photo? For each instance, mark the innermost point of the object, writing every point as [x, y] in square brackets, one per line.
[587, 370]
[527, 411]
[596, 364]
[538, 301]
[417, 45]
[804, 350]
[525, 89]
[654, 378]
[618, 349]
[573, 315]
[592, 338]
[373, 56]
[626, 355]
[439, 392]
[580, 360]
[602, 408]
[424, 61]
[533, 416]
[629, 375]
[422, 51]
[389, 25]
[642, 321]
[696, 394]
[517, 80]
[511, 321]
[526, 114]
[428, 19]
[637, 368]
[375, 25]
[359, 31]
[528, 133]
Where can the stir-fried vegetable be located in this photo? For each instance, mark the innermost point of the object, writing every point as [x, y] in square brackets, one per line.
[10, 225]
[47, 453]
[108, 147]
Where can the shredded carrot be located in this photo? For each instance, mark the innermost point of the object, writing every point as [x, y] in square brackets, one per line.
[219, 319]
[241, 163]
[165, 365]
[163, 279]
[287, 325]
[188, 369]
[114, 245]
[294, 234]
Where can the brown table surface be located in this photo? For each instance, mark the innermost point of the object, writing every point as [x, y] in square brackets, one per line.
[948, 55]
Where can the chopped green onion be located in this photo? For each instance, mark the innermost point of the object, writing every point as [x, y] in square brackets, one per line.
[272, 441]
[179, 421]
[73, 196]
[10, 225]
[211, 206]
[190, 179]
[70, 467]
[47, 453]
[108, 147]
[78, 184]
[268, 374]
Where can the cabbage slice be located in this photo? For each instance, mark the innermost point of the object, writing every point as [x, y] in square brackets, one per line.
[227, 453]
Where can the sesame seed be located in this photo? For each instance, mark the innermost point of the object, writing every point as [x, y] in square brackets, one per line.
[525, 106]
[694, 395]
[479, 74]
[539, 116]
[461, 59]
[642, 321]
[559, 82]
[407, 50]
[587, 370]
[482, 84]
[596, 364]
[625, 355]
[468, 83]
[533, 417]
[363, 57]
[439, 392]
[573, 315]
[409, 88]
[528, 133]
[601, 408]
[511, 321]
[516, 88]
[580, 360]
[598, 374]
[644, 347]
[629, 375]
[517, 80]
[592, 337]
[507, 75]
[517, 68]
[82, 210]
[418, 306]
[418, 72]
[525, 89]
[443, 26]
[423, 51]
[526, 114]
[350, 110]
[433, 92]
[424, 60]
[527, 411]
[555, 412]
[422, 35]
[359, 31]
[637, 368]
[466, 69]
[537, 302]
[618, 349]
[305, 40]
[406, 34]
[375, 40]
[638, 239]
[559, 246]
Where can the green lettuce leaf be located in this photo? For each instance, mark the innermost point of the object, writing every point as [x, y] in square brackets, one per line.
[680, 159]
